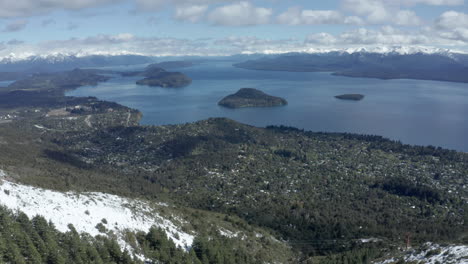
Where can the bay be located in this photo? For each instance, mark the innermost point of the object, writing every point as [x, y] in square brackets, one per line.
[413, 111]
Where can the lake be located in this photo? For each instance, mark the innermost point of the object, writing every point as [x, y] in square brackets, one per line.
[412, 111]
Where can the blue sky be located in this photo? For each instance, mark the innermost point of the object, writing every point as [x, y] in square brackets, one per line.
[222, 27]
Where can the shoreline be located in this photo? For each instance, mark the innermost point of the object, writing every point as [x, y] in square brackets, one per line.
[141, 114]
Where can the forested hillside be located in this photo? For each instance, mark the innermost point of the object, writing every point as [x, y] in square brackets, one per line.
[287, 195]
[318, 191]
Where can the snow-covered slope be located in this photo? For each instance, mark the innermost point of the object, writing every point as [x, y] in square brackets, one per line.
[86, 210]
[433, 254]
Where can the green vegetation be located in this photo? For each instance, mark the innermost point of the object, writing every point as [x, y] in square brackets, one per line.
[58, 82]
[37, 241]
[304, 186]
[47, 89]
[317, 192]
[157, 76]
[166, 79]
[249, 97]
[353, 97]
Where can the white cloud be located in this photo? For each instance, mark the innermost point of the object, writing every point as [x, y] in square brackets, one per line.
[451, 20]
[296, 16]
[240, 14]
[387, 35]
[435, 2]
[375, 11]
[155, 5]
[16, 25]
[452, 25]
[252, 45]
[381, 12]
[192, 13]
[21, 8]
[353, 20]
[124, 43]
[323, 38]
[407, 18]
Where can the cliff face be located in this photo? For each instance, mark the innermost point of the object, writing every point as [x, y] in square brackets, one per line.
[249, 97]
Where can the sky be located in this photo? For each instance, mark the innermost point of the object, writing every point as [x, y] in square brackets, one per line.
[225, 27]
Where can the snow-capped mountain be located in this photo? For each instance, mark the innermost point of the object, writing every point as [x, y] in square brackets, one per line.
[56, 57]
[65, 61]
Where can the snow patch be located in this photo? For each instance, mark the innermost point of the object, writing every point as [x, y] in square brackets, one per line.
[434, 253]
[86, 210]
[227, 233]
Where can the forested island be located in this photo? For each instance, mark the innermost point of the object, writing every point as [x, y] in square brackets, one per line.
[159, 77]
[352, 97]
[250, 97]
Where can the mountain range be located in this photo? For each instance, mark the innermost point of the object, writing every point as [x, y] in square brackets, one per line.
[393, 64]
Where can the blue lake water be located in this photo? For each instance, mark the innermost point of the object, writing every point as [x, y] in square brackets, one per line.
[413, 111]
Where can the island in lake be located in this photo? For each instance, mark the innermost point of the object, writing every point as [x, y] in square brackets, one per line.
[353, 97]
[250, 97]
[159, 77]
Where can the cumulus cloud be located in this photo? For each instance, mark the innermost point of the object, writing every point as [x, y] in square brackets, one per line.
[390, 36]
[435, 2]
[452, 19]
[16, 25]
[155, 5]
[250, 44]
[453, 25]
[191, 13]
[22, 8]
[296, 16]
[124, 43]
[407, 18]
[240, 14]
[375, 11]
[386, 36]
[380, 12]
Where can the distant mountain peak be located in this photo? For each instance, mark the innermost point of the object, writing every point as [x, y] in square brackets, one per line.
[67, 61]
[391, 50]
